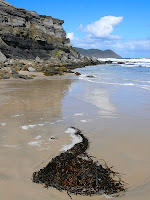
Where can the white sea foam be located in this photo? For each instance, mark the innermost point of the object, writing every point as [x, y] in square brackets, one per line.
[138, 85]
[40, 124]
[104, 82]
[134, 62]
[83, 120]
[59, 121]
[44, 149]
[38, 137]
[17, 115]
[145, 87]
[26, 127]
[35, 143]
[78, 114]
[3, 124]
[75, 139]
[32, 125]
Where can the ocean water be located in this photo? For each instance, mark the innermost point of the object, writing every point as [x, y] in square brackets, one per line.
[133, 73]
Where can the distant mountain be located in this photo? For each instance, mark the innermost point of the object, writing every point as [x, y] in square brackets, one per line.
[97, 53]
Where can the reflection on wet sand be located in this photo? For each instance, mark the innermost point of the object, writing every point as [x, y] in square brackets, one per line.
[37, 105]
[34, 112]
[38, 98]
[100, 98]
[120, 135]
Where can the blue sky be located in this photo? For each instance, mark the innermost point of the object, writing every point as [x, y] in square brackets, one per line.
[119, 25]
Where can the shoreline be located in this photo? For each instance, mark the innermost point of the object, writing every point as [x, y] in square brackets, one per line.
[51, 106]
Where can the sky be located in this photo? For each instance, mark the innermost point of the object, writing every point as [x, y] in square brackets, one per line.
[120, 25]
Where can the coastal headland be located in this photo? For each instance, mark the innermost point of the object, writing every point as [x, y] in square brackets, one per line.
[35, 43]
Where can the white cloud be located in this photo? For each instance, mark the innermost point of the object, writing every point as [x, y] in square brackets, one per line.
[70, 36]
[126, 48]
[99, 35]
[132, 45]
[103, 27]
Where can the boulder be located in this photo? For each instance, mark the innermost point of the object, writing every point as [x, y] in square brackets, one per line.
[25, 77]
[77, 73]
[31, 69]
[64, 59]
[2, 57]
[108, 62]
[94, 60]
[120, 63]
[101, 62]
[90, 76]
[51, 72]
[37, 59]
[15, 74]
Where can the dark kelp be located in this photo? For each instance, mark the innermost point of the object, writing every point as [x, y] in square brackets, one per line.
[76, 172]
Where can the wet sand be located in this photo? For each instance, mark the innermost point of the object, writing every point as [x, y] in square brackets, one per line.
[116, 121]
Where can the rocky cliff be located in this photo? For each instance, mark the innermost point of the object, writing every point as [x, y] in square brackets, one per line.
[26, 35]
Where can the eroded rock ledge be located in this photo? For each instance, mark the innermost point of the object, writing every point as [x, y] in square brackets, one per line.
[26, 35]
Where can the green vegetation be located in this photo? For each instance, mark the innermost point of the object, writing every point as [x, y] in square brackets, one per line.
[59, 53]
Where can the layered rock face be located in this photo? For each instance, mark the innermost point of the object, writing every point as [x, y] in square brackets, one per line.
[33, 42]
[25, 34]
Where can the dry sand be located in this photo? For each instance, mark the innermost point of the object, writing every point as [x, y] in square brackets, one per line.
[33, 111]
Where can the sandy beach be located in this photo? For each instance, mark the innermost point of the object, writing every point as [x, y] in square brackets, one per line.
[33, 111]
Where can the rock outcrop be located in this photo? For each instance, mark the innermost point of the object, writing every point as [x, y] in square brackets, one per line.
[26, 35]
[2, 57]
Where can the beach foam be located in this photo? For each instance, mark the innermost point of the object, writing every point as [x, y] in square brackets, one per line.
[26, 127]
[3, 124]
[83, 120]
[75, 139]
[17, 115]
[38, 137]
[118, 75]
[78, 114]
[35, 143]
[137, 62]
